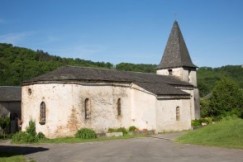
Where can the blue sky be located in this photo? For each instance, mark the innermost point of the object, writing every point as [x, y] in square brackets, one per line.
[134, 31]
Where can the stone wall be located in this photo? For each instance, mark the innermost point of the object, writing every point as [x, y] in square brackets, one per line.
[143, 108]
[166, 115]
[65, 108]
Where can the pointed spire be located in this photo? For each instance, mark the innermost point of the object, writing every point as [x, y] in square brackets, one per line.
[176, 53]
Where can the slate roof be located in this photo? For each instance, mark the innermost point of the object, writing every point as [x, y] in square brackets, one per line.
[176, 53]
[10, 93]
[157, 84]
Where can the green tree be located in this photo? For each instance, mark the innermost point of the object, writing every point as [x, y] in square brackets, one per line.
[226, 98]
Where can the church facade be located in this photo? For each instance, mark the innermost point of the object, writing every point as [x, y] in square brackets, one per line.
[69, 98]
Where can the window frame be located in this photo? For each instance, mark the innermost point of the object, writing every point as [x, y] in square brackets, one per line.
[118, 107]
[87, 109]
[42, 119]
[178, 113]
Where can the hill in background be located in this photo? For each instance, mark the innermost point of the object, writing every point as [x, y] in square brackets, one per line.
[18, 64]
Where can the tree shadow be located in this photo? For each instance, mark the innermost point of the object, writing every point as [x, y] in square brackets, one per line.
[7, 151]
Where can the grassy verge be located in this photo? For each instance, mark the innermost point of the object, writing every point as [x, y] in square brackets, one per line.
[79, 140]
[11, 157]
[226, 133]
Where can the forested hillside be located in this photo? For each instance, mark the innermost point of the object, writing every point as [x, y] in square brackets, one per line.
[207, 77]
[148, 68]
[18, 64]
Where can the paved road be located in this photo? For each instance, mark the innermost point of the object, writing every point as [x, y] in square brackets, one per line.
[132, 150]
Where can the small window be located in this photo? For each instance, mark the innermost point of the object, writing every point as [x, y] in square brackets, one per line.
[42, 113]
[170, 71]
[29, 91]
[119, 107]
[189, 75]
[177, 113]
[87, 111]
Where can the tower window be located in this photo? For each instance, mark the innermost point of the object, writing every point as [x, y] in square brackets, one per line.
[87, 110]
[119, 107]
[42, 113]
[177, 113]
[189, 77]
[170, 71]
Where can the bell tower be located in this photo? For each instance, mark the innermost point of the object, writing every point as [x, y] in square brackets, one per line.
[176, 61]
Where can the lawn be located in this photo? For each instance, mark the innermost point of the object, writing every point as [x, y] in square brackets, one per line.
[11, 157]
[79, 140]
[226, 133]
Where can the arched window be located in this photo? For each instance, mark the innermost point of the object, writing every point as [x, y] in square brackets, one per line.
[42, 113]
[177, 113]
[87, 111]
[119, 107]
[29, 91]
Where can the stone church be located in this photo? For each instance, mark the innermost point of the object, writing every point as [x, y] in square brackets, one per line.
[69, 98]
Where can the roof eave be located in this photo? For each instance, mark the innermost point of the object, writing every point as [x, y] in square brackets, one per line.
[184, 66]
[173, 96]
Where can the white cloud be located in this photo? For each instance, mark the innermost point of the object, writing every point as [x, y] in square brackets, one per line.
[15, 38]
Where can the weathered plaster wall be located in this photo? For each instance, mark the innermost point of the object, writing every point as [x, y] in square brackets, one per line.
[166, 115]
[193, 78]
[178, 72]
[143, 109]
[189, 76]
[183, 74]
[65, 107]
[197, 103]
[192, 101]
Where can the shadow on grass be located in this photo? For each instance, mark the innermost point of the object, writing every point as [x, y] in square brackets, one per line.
[7, 151]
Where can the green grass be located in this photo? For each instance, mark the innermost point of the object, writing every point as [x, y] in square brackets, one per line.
[226, 133]
[10, 157]
[79, 140]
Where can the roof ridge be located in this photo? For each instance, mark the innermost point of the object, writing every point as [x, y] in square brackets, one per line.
[107, 69]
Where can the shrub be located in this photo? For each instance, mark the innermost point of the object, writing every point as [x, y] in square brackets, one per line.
[40, 135]
[29, 136]
[196, 123]
[86, 133]
[121, 129]
[132, 129]
[31, 129]
[110, 130]
[226, 99]
[19, 137]
[23, 137]
[4, 124]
